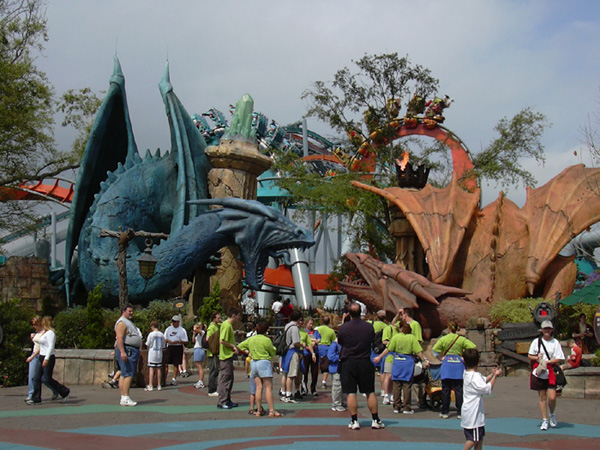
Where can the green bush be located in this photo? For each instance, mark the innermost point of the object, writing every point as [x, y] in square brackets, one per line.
[70, 326]
[514, 311]
[210, 304]
[595, 361]
[97, 335]
[16, 324]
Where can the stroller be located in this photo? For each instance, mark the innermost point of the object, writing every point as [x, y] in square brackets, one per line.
[433, 386]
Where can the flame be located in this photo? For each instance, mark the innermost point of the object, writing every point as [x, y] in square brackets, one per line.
[402, 163]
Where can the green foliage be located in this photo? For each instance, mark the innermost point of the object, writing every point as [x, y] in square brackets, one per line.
[17, 337]
[27, 147]
[70, 327]
[80, 108]
[514, 311]
[159, 310]
[595, 361]
[97, 333]
[518, 137]
[210, 304]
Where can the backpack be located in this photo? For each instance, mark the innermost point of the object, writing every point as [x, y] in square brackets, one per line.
[378, 345]
[204, 342]
[214, 342]
[280, 343]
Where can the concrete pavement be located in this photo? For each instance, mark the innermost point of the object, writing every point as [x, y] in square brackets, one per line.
[183, 417]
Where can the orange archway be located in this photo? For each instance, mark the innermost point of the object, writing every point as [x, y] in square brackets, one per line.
[364, 160]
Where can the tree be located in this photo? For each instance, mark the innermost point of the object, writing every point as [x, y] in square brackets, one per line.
[357, 103]
[27, 146]
[79, 108]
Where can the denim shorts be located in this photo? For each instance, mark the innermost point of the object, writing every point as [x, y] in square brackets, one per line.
[261, 368]
[199, 354]
[129, 367]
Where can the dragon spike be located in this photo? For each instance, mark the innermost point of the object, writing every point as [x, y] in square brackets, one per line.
[157, 154]
[251, 206]
[148, 155]
[117, 76]
[165, 85]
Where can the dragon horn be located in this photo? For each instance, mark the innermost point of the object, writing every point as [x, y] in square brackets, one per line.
[251, 206]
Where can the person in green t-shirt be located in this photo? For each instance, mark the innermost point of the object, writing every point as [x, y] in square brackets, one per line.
[388, 333]
[262, 351]
[327, 337]
[378, 326]
[213, 360]
[449, 348]
[404, 343]
[417, 331]
[227, 350]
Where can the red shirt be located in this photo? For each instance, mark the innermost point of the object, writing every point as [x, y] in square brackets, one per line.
[286, 310]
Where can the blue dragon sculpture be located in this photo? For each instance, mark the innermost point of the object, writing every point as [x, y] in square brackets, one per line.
[116, 188]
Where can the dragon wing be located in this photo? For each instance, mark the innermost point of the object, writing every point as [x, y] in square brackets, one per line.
[193, 164]
[453, 208]
[111, 142]
[556, 213]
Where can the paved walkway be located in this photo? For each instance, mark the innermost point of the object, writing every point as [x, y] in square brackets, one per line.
[182, 417]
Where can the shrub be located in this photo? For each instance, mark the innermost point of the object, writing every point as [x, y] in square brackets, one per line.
[568, 317]
[596, 359]
[17, 337]
[70, 327]
[97, 334]
[210, 304]
[514, 311]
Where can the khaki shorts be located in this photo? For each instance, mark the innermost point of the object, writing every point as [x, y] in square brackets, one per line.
[294, 370]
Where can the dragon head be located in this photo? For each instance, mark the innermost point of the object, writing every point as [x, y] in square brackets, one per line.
[260, 232]
[389, 286]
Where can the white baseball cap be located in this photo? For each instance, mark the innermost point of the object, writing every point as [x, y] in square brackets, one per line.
[176, 318]
[547, 324]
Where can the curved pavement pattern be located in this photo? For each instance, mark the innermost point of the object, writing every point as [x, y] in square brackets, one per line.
[185, 418]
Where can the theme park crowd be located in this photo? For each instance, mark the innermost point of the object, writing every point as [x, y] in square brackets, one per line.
[350, 358]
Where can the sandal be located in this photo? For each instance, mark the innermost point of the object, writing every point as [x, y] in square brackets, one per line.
[252, 412]
[275, 414]
[259, 413]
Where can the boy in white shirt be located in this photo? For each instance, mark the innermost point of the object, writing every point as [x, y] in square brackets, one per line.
[155, 343]
[474, 388]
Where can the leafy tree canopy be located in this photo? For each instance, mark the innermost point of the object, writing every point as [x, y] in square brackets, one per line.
[28, 150]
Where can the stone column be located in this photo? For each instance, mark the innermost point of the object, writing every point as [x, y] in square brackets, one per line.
[236, 167]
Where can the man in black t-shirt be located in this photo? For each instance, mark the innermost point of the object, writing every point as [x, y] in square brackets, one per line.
[356, 368]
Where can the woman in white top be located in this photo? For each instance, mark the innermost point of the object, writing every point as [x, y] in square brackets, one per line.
[47, 361]
[545, 352]
[33, 361]
[199, 353]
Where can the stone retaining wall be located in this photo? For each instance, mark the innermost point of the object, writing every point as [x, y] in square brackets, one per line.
[75, 367]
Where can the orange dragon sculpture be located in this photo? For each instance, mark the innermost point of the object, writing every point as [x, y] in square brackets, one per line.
[482, 256]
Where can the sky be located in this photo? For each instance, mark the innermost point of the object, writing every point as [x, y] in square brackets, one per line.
[493, 57]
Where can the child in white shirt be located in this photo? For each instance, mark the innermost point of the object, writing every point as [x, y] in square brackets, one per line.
[475, 386]
[155, 343]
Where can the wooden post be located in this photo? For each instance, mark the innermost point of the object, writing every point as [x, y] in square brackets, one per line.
[124, 238]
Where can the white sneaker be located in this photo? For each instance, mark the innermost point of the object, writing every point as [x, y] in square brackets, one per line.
[148, 388]
[354, 425]
[340, 409]
[199, 385]
[553, 422]
[128, 402]
[382, 393]
[324, 384]
[159, 388]
[386, 400]
[173, 382]
[377, 425]
[443, 416]
[213, 394]
[544, 425]
[408, 411]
